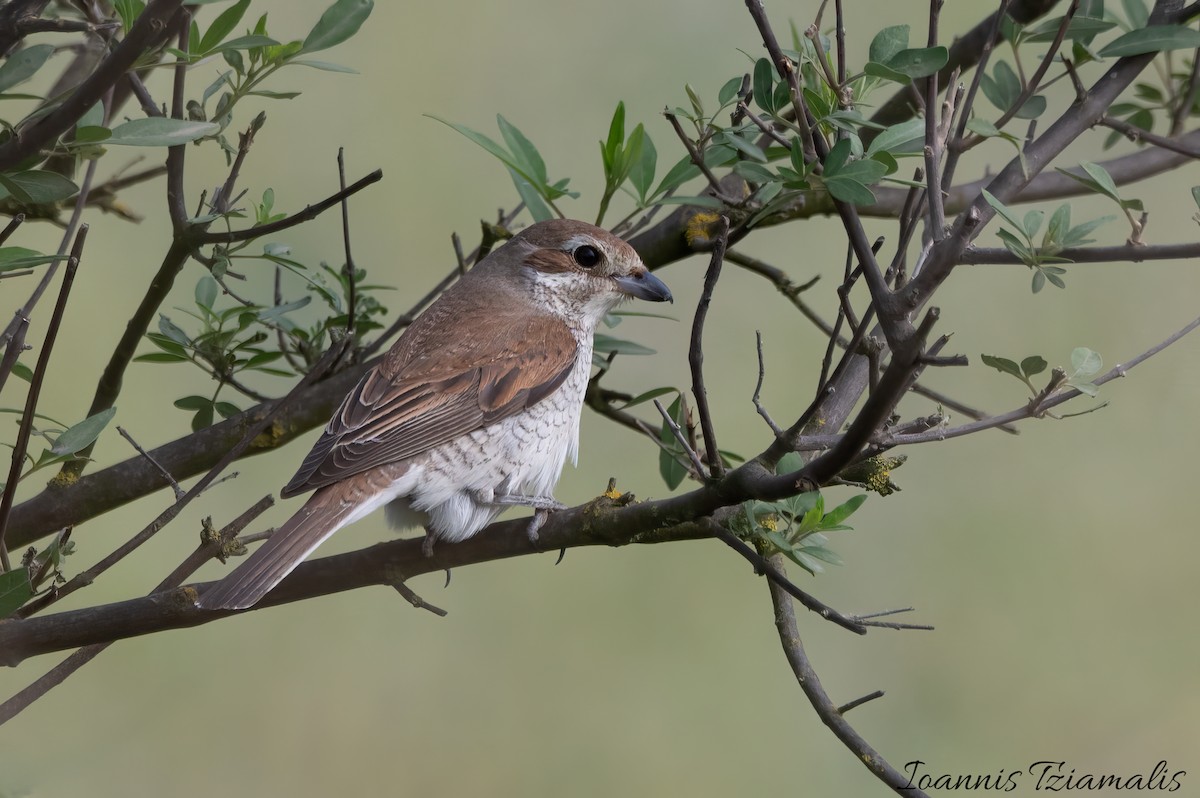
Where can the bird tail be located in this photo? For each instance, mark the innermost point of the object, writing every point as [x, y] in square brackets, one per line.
[319, 518]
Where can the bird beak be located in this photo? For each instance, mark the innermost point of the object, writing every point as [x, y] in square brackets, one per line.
[645, 285]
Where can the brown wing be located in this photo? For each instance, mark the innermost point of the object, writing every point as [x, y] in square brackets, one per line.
[438, 382]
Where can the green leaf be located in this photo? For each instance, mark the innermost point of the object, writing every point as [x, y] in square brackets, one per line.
[1032, 223]
[193, 402]
[671, 470]
[982, 127]
[223, 25]
[683, 171]
[1003, 364]
[37, 187]
[653, 393]
[15, 590]
[128, 11]
[641, 172]
[607, 343]
[903, 139]
[1085, 362]
[877, 70]
[729, 91]
[538, 209]
[1081, 27]
[611, 147]
[1033, 365]
[21, 258]
[843, 511]
[1152, 39]
[83, 434]
[1032, 108]
[158, 131]
[528, 159]
[1003, 210]
[206, 292]
[161, 357]
[324, 66]
[22, 65]
[764, 85]
[919, 62]
[754, 172]
[339, 22]
[1002, 87]
[246, 43]
[888, 43]
[1136, 12]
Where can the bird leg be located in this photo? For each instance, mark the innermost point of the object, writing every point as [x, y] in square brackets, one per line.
[542, 505]
[427, 543]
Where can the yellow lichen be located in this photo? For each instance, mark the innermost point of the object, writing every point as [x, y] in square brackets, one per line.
[699, 228]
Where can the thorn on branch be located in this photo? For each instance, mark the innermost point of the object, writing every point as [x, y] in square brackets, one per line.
[858, 702]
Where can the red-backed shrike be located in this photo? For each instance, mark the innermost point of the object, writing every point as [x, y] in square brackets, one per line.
[475, 407]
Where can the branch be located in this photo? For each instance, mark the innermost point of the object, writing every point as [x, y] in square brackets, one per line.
[827, 710]
[101, 491]
[309, 213]
[696, 350]
[149, 31]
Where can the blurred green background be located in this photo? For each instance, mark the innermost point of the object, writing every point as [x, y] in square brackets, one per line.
[1057, 566]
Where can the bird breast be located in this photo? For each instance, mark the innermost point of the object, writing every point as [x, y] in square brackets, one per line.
[521, 454]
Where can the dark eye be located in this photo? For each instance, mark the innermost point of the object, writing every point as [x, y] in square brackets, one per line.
[586, 256]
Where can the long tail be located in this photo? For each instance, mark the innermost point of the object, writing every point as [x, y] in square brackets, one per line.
[319, 518]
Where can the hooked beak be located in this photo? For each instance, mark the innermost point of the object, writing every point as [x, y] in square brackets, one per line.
[645, 285]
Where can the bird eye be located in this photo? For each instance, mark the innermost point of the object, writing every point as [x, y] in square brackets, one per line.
[586, 256]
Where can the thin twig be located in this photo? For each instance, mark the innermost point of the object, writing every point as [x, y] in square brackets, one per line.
[696, 349]
[35, 389]
[774, 572]
[697, 157]
[697, 465]
[13, 706]
[352, 291]
[86, 577]
[762, 373]
[309, 213]
[166, 474]
[810, 683]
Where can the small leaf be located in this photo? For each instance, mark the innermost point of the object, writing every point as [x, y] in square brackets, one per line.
[764, 85]
[206, 292]
[1002, 364]
[22, 65]
[1003, 210]
[1152, 39]
[919, 62]
[158, 131]
[37, 187]
[653, 393]
[1085, 362]
[903, 139]
[843, 511]
[339, 22]
[83, 434]
[223, 25]
[1033, 365]
[671, 470]
[21, 258]
[607, 343]
[888, 43]
[528, 159]
[15, 590]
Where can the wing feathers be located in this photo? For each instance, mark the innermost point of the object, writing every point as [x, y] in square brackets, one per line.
[418, 399]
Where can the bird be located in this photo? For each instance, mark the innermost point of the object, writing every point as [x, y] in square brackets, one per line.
[474, 408]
